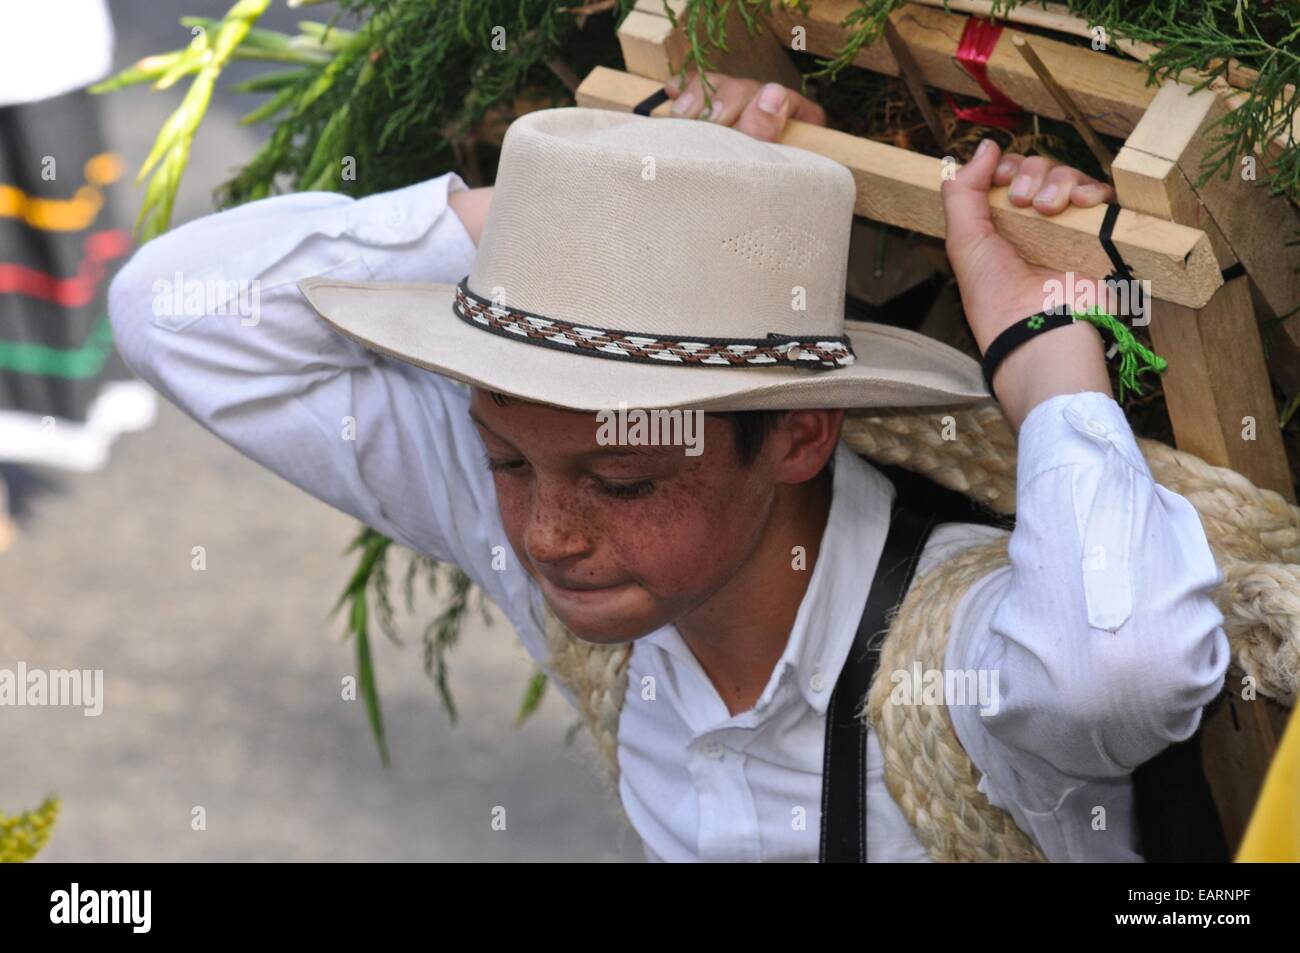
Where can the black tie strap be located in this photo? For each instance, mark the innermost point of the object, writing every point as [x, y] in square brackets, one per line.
[647, 105]
[1108, 226]
[1121, 271]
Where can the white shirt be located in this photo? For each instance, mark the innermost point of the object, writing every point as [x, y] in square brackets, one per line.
[1102, 631]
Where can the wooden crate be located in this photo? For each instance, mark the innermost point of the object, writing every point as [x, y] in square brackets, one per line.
[1182, 238]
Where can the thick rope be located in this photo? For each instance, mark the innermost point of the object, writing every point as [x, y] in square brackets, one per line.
[927, 771]
[1254, 533]
[597, 676]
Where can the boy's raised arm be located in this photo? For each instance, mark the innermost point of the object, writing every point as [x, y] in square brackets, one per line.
[1104, 633]
[210, 314]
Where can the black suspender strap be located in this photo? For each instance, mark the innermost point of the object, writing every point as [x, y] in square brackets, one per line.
[844, 765]
[1175, 811]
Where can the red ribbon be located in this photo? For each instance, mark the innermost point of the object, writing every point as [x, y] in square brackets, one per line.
[977, 42]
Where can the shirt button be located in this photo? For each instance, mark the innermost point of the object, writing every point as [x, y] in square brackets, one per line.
[711, 749]
[396, 217]
[817, 682]
[1097, 427]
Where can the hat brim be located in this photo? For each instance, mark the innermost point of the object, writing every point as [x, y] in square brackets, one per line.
[414, 323]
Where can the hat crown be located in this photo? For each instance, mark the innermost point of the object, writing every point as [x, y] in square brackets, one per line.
[663, 226]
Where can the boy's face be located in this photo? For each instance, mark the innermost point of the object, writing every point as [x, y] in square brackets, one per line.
[622, 539]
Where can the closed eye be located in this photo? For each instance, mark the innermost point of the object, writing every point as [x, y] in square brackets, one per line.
[620, 491]
[497, 466]
[627, 491]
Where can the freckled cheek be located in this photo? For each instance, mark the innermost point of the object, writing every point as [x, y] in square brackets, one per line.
[513, 506]
[680, 546]
[674, 544]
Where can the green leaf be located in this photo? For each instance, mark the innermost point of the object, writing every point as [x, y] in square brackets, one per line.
[142, 71]
[275, 104]
[533, 695]
[366, 674]
[272, 82]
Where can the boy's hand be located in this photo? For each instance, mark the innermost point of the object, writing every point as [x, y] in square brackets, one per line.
[757, 109]
[998, 287]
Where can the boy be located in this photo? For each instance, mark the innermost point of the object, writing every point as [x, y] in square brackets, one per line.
[608, 244]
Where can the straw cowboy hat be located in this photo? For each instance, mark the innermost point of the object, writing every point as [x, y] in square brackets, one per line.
[655, 263]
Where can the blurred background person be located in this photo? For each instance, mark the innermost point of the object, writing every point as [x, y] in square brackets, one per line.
[64, 392]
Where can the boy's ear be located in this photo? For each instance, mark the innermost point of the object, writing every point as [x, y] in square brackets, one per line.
[810, 440]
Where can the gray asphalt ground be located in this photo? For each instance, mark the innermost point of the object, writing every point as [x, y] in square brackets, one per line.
[223, 687]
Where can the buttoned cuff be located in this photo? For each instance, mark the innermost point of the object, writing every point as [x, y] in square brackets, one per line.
[435, 244]
[1075, 429]
[402, 215]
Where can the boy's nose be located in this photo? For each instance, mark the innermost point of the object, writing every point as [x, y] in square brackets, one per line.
[557, 528]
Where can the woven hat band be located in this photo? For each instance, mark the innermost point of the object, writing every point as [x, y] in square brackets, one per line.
[814, 352]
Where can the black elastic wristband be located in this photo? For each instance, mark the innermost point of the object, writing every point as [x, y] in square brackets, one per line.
[1018, 334]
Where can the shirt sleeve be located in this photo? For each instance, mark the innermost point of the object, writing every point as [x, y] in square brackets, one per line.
[1103, 633]
[210, 315]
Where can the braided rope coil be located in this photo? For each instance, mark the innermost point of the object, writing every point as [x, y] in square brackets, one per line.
[1254, 534]
[597, 676]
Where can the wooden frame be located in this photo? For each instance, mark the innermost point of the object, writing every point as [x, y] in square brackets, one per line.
[1219, 342]
[1180, 236]
[901, 188]
[1112, 101]
[1169, 232]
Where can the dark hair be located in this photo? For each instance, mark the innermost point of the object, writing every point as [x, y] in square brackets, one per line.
[751, 426]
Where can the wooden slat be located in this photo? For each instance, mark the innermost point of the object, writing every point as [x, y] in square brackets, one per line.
[1216, 379]
[1111, 92]
[1237, 746]
[651, 47]
[1059, 18]
[1255, 224]
[1217, 375]
[1114, 90]
[1159, 187]
[901, 188]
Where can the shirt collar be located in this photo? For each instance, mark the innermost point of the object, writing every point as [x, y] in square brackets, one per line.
[827, 620]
